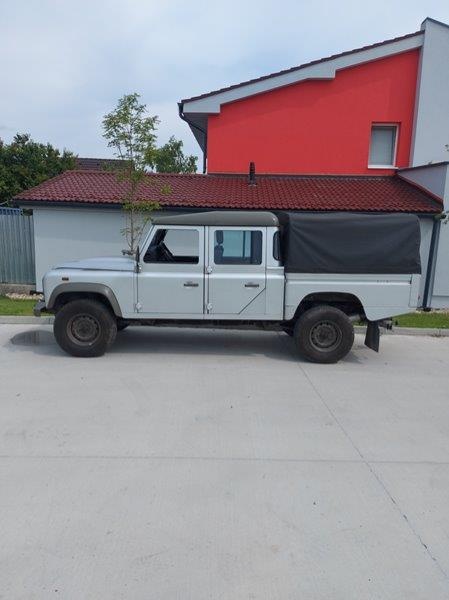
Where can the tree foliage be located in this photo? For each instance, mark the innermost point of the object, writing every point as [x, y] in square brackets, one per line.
[170, 158]
[25, 163]
[131, 133]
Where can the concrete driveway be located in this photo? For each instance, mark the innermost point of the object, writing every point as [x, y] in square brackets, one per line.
[190, 464]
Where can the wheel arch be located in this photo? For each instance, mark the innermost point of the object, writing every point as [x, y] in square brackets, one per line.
[350, 304]
[66, 292]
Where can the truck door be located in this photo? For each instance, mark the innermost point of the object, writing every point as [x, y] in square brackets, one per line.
[171, 280]
[235, 272]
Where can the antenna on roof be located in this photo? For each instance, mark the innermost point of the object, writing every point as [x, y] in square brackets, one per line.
[252, 174]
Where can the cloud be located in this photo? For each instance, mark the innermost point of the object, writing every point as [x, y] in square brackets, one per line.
[64, 64]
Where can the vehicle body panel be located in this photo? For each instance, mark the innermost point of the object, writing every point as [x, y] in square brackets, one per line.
[381, 296]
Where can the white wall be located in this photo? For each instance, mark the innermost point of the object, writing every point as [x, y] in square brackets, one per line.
[62, 234]
[426, 235]
[435, 179]
[431, 130]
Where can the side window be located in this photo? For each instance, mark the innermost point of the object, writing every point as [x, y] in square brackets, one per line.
[276, 246]
[174, 246]
[383, 145]
[237, 247]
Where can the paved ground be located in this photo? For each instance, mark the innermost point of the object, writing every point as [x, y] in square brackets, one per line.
[198, 465]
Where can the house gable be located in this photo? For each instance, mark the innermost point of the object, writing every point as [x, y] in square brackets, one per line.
[317, 126]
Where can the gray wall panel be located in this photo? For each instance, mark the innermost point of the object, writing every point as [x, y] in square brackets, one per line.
[16, 247]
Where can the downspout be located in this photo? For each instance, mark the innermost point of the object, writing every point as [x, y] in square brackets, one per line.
[431, 261]
[203, 131]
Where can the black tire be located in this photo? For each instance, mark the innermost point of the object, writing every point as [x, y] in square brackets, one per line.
[121, 325]
[324, 334]
[85, 328]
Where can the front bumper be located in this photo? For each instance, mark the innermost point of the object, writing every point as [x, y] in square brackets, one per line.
[39, 307]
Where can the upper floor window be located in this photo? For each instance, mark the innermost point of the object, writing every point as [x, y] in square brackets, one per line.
[174, 246]
[382, 151]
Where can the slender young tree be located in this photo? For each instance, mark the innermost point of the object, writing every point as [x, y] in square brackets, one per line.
[132, 134]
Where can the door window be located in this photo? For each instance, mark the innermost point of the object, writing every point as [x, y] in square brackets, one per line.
[174, 246]
[237, 247]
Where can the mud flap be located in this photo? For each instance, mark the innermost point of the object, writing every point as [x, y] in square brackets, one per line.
[372, 336]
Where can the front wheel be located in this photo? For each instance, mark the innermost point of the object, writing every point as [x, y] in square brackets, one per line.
[324, 334]
[84, 328]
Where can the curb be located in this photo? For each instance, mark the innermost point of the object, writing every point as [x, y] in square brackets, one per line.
[413, 331]
[22, 320]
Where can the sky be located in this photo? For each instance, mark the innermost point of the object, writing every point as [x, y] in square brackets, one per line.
[64, 64]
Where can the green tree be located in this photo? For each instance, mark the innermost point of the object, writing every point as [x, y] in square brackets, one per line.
[170, 158]
[132, 134]
[25, 163]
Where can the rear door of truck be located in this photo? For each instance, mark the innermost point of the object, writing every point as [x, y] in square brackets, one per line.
[235, 272]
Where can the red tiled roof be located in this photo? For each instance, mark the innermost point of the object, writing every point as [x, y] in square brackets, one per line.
[309, 64]
[273, 192]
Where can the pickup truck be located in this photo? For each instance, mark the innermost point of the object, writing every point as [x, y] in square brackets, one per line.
[311, 275]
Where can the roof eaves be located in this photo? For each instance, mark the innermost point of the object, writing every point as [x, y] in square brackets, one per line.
[424, 166]
[439, 202]
[302, 66]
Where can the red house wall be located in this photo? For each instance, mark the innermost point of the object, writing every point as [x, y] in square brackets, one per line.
[317, 126]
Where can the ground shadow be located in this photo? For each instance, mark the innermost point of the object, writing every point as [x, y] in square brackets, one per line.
[183, 341]
[169, 340]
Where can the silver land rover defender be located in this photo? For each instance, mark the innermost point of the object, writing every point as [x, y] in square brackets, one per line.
[311, 275]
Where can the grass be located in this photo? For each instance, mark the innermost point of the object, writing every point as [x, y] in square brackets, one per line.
[437, 320]
[16, 307]
[433, 320]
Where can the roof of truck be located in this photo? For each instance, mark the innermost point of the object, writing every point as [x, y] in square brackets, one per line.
[223, 218]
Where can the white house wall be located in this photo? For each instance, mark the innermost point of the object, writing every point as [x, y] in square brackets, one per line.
[62, 234]
[435, 179]
[431, 128]
[426, 225]
[440, 291]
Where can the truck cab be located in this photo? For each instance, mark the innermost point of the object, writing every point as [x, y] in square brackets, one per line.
[303, 275]
[211, 266]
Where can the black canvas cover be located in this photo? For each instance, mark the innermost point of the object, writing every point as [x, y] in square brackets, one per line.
[350, 243]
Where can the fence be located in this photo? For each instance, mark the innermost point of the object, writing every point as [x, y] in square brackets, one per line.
[16, 246]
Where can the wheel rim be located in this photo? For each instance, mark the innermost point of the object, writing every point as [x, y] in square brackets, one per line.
[325, 336]
[83, 329]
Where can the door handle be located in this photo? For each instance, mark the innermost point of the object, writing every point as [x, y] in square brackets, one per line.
[191, 284]
[250, 284]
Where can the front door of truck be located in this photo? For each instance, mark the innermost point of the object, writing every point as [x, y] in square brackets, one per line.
[235, 272]
[171, 280]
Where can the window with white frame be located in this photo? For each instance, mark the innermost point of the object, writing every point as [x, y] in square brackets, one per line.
[382, 151]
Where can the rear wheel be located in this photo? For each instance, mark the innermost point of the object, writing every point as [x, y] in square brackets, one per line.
[84, 328]
[324, 334]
